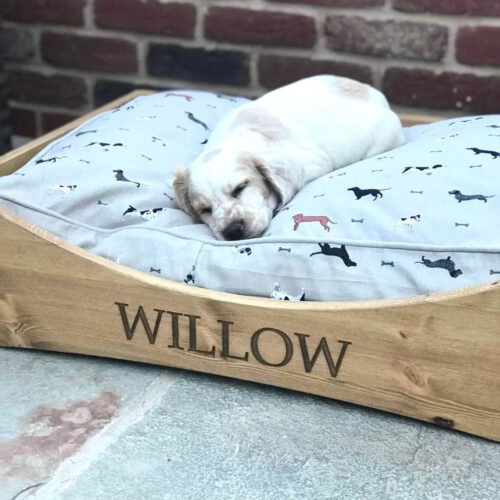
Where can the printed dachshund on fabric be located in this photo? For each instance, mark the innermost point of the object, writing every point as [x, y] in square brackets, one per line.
[494, 154]
[222, 96]
[195, 120]
[105, 146]
[83, 132]
[188, 98]
[376, 193]
[465, 121]
[123, 108]
[341, 252]
[50, 160]
[467, 197]
[144, 214]
[427, 170]
[322, 219]
[447, 264]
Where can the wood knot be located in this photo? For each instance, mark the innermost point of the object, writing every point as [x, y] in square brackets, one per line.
[444, 422]
[414, 376]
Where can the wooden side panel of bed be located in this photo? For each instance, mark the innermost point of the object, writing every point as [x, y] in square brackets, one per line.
[435, 358]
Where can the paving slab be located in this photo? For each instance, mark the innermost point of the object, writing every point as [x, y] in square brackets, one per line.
[75, 427]
[51, 404]
[214, 438]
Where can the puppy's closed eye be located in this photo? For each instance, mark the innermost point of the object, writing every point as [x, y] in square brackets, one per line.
[205, 210]
[238, 189]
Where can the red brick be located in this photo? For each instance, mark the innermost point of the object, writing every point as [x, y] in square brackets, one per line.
[55, 90]
[478, 45]
[51, 121]
[23, 122]
[484, 7]
[336, 3]
[387, 38]
[68, 12]
[470, 7]
[90, 53]
[275, 71]
[421, 88]
[437, 6]
[149, 16]
[226, 24]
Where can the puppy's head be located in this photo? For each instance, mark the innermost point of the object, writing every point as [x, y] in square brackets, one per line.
[235, 193]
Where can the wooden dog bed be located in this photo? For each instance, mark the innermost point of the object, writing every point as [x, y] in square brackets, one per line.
[434, 357]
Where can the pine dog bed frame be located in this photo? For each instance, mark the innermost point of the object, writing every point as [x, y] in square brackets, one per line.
[434, 357]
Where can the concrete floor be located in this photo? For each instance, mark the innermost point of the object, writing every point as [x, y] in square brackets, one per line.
[74, 427]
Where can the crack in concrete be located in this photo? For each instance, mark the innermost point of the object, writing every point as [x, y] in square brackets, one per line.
[24, 490]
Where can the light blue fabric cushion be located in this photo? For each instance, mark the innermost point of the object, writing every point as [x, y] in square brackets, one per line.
[418, 219]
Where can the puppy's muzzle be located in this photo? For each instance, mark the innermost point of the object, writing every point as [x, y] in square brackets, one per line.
[234, 231]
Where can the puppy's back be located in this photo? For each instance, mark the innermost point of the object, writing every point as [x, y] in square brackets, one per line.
[347, 119]
[321, 89]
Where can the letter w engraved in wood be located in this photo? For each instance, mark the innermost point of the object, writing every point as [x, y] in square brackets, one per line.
[323, 346]
[140, 315]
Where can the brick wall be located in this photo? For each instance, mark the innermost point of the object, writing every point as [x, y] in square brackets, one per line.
[68, 56]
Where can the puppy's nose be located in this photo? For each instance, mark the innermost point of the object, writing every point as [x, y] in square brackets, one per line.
[234, 231]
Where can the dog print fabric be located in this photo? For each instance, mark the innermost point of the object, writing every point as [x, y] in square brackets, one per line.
[417, 219]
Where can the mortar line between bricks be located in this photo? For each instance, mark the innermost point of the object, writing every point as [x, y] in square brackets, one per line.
[74, 466]
[88, 15]
[199, 31]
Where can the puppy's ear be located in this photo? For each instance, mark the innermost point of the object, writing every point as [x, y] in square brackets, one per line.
[181, 191]
[272, 182]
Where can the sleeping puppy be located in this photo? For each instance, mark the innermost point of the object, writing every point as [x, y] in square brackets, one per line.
[262, 153]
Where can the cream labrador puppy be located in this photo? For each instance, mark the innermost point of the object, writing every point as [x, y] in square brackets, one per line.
[263, 152]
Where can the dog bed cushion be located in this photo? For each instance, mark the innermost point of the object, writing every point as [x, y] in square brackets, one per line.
[418, 219]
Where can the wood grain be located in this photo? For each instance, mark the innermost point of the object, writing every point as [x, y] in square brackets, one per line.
[435, 358]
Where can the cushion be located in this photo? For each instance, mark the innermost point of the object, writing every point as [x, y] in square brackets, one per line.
[418, 219]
